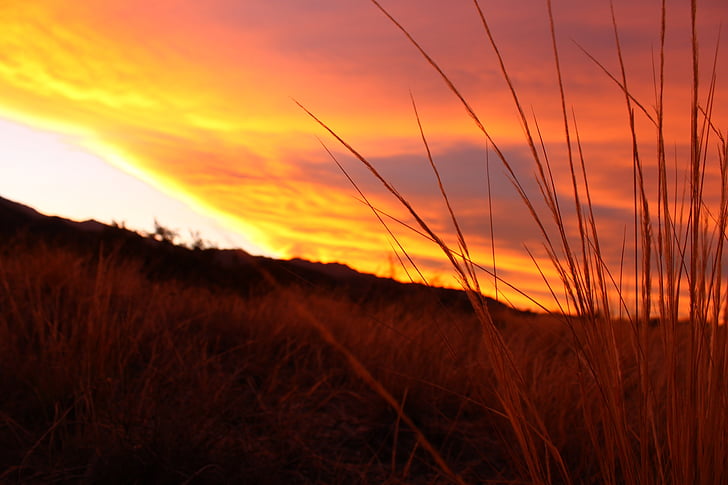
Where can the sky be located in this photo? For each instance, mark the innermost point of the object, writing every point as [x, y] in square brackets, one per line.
[188, 112]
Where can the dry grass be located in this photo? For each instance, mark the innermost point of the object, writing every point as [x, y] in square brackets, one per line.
[650, 405]
[109, 377]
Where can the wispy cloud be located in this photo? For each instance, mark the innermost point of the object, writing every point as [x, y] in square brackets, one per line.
[196, 98]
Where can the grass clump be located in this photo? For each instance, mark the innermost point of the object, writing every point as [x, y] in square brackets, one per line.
[647, 401]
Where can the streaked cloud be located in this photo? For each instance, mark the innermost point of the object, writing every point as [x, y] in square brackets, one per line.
[196, 99]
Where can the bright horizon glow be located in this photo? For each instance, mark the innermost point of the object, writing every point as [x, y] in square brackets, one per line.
[53, 167]
[184, 111]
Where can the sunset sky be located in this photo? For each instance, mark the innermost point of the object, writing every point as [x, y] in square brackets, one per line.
[185, 111]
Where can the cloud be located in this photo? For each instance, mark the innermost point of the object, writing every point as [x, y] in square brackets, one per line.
[196, 98]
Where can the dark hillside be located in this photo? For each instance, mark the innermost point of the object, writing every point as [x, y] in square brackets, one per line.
[229, 269]
[124, 359]
[128, 360]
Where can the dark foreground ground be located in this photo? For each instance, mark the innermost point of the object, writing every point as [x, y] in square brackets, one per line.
[129, 360]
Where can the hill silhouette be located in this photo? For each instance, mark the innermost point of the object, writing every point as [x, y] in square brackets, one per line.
[229, 269]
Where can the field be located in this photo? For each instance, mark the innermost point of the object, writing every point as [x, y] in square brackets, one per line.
[114, 373]
[111, 377]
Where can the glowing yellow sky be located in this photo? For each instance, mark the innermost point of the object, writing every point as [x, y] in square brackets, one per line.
[184, 110]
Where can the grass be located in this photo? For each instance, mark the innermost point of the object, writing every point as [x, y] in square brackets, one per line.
[109, 376]
[660, 413]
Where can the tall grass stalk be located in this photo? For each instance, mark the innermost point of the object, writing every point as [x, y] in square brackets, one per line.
[679, 433]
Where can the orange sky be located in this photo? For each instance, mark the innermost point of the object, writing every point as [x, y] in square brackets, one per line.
[183, 110]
